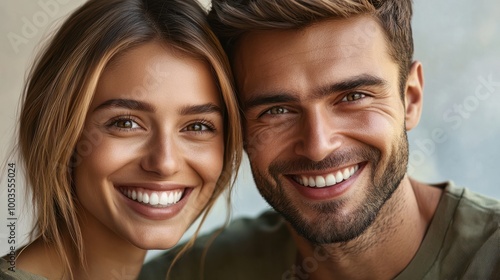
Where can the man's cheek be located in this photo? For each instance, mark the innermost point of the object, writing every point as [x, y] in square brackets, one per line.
[257, 139]
[270, 135]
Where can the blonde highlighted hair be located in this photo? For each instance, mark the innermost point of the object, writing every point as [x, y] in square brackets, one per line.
[61, 85]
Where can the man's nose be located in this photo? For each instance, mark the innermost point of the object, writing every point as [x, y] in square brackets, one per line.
[319, 137]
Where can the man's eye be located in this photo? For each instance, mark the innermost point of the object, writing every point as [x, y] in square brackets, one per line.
[353, 96]
[276, 111]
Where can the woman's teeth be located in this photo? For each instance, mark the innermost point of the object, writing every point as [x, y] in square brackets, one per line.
[328, 180]
[164, 198]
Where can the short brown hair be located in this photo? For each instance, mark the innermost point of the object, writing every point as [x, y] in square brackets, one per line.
[230, 19]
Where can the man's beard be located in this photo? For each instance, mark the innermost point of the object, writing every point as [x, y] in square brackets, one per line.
[330, 225]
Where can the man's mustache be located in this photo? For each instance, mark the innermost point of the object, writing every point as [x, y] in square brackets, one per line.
[337, 159]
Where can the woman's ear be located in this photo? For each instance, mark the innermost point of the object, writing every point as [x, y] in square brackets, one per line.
[414, 95]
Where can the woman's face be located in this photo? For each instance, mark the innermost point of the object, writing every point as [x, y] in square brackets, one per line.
[152, 147]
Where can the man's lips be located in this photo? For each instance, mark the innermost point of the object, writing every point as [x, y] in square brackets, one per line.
[326, 179]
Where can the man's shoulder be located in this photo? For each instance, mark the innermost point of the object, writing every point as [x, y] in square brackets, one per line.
[470, 234]
[463, 239]
[269, 224]
[247, 243]
[472, 218]
[473, 207]
[243, 235]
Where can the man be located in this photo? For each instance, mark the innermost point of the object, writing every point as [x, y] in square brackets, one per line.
[328, 90]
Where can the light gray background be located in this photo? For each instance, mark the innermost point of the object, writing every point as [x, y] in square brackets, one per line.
[456, 40]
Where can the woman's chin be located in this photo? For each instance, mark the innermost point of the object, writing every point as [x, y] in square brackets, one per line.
[162, 243]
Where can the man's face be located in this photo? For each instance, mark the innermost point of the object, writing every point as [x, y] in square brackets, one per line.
[324, 124]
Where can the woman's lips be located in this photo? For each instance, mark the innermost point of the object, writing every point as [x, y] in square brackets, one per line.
[155, 204]
[151, 197]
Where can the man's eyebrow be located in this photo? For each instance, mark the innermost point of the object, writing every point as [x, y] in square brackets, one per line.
[126, 104]
[200, 109]
[283, 97]
[268, 98]
[364, 80]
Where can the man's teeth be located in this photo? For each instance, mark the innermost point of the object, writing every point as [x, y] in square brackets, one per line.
[154, 198]
[328, 180]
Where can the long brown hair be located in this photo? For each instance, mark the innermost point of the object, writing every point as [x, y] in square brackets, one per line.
[61, 85]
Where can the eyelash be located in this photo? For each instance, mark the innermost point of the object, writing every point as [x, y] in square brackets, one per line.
[267, 111]
[362, 95]
[112, 123]
[204, 122]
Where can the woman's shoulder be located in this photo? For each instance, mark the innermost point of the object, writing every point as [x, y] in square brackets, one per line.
[8, 271]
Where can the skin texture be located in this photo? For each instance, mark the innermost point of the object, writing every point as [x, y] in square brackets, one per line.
[337, 105]
[165, 142]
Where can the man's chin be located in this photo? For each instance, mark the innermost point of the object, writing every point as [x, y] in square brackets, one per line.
[327, 228]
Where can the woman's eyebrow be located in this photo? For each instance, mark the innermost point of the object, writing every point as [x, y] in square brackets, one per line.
[200, 109]
[127, 104]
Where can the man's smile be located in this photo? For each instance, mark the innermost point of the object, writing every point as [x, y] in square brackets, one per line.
[328, 179]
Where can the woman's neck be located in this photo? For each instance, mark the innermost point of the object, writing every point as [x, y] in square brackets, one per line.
[107, 255]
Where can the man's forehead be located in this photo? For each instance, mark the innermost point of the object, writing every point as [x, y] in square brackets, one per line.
[262, 55]
[356, 30]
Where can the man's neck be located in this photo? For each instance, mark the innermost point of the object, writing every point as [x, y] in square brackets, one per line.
[384, 249]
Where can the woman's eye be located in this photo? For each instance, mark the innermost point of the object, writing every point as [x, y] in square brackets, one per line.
[124, 124]
[353, 96]
[199, 127]
[276, 111]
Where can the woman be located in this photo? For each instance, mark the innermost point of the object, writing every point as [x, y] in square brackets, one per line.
[128, 132]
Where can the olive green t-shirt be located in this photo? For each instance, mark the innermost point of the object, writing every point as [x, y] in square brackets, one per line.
[462, 242]
[9, 272]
